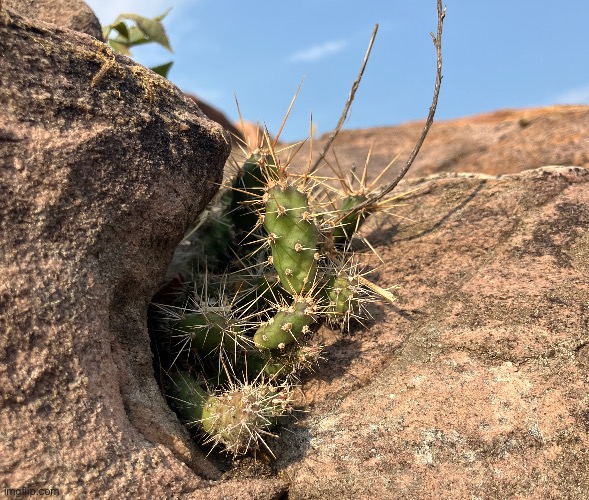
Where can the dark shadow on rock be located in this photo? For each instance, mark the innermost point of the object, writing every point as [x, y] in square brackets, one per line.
[338, 357]
[295, 441]
[386, 236]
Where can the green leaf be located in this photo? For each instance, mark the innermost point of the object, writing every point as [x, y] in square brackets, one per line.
[136, 37]
[152, 28]
[161, 16]
[144, 31]
[119, 48]
[120, 18]
[122, 29]
[163, 69]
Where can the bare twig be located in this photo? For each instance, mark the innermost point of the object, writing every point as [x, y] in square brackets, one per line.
[344, 115]
[428, 123]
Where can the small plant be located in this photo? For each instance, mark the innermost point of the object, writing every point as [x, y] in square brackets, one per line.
[122, 36]
[270, 259]
[237, 418]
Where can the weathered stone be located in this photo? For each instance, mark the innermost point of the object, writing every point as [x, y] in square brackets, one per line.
[72, 14]
[475, 384]
[104, 166]
[501, 142]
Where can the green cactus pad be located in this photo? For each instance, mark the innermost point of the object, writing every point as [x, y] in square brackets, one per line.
[343, 232]
[208, 331]
[286, 327]
[293, 238]
[340, 295]
[187, 396]
[281, 364]
[238, 418]
[235, 418]
[248, 189]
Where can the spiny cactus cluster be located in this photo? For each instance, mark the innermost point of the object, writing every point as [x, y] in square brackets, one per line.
[270, 260]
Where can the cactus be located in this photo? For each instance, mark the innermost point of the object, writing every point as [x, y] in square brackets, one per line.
[248, 188]
[270, 257]
[209, 332]
[253, 321]
[237, 419]
[260, 302]
[286, 327]
[351, 221]
[215, 239]
[292, 235]
[340, 295]
[284, 363]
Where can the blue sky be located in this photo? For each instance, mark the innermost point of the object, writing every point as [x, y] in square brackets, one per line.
[501, 54]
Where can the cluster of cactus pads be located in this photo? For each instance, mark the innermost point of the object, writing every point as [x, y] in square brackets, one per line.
[270, 260]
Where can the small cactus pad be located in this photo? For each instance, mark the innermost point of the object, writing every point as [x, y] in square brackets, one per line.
[248, 188]
[187, 396]
[340, 295]
[208, 331]
[286, 327]
[293, 237]
[343, 232]
[236, 418]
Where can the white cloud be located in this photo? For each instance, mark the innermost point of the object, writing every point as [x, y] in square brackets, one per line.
[579, 95]
[318, 52]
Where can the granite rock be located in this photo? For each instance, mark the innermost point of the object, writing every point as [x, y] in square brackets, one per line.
[72, 14]
[104, 167]
[500, 142]
[475, 384]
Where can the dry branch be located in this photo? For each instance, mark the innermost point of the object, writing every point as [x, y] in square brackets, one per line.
[437, 39]
[346, 109]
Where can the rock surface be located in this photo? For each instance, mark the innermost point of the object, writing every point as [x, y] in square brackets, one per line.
[476, 383]
[104, 167]
[72, 14]
[501, 142]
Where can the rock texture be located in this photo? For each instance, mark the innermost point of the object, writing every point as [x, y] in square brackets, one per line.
[476, 384]
[501, 142]
[104, 166]
[72, 14]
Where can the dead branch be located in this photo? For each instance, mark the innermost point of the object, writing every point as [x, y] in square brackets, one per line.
[346, 109]
[437, 39]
